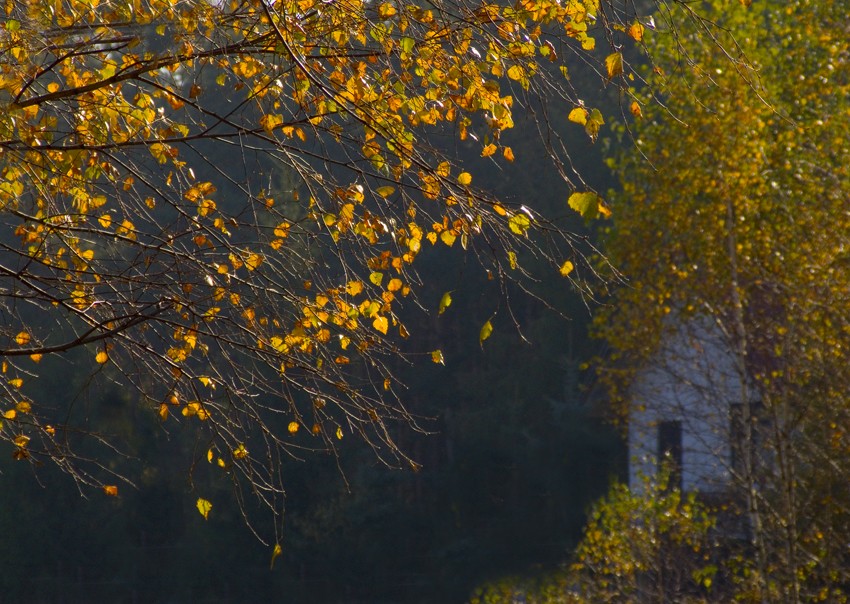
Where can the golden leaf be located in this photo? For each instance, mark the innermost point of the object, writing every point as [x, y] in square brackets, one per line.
[566, 268]
[101, 357]
[293, 427]
[22, 339]
[381, 324]
[464, 179]
[276, 551]
[204, 507]
[111, 490]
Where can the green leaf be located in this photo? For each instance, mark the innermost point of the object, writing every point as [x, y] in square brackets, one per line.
[586, 204]
[445, 302]
[204, 507]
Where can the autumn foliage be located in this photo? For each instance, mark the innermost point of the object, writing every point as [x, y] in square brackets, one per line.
[220, 206]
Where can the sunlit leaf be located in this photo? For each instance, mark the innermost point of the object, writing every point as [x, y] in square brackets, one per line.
[101, 357]
[586, 204]
[277, 550]
[293, 427]
[111, 490]
[204, 507]
[566, 268]
[486, 332]
[614, 64]
[445, 302]
[578, 115]
[464, 179]
[519, 224]
[381, 324]
[437, 357]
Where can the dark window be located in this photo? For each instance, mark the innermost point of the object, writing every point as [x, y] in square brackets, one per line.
[670, 450]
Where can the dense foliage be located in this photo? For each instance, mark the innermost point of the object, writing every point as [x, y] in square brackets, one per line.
[734, 208]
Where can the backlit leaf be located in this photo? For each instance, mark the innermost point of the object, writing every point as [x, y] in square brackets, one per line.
[586, 204]
[566, 268]
[111, 490]
[445, 302]
[381, 324]
[293, 427]
[437, 357]
[486, 332]
[276, 551]
[204, 507]
[614, 64]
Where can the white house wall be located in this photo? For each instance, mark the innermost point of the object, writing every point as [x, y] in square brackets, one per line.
[693, 380]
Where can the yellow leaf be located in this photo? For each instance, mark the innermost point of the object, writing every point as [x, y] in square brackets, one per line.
[293, 427]
[519, 224]
[339, 433]
[204, 507]
[275, 553]
[578, 115]
[394, 285]
[23, 407]
[509, 154]
[489, 150]
[111, 490]
[385, 191]
[253, 262]
[635, 109]
[566, 268]
[486, 332]
[209, 455]
[353, 288]
[10, 414]
[381, 324]
[464, 179]
[512, 259]
[437, 357]
[21, 440]
[376, 278]
[22, 339]
[16, 382]
[448, 238]
[636, 31]
[101, 357]
[240, 452]
[614, 64]
[36, 357]
[445, 302]
[87, 255]
[163, 411]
